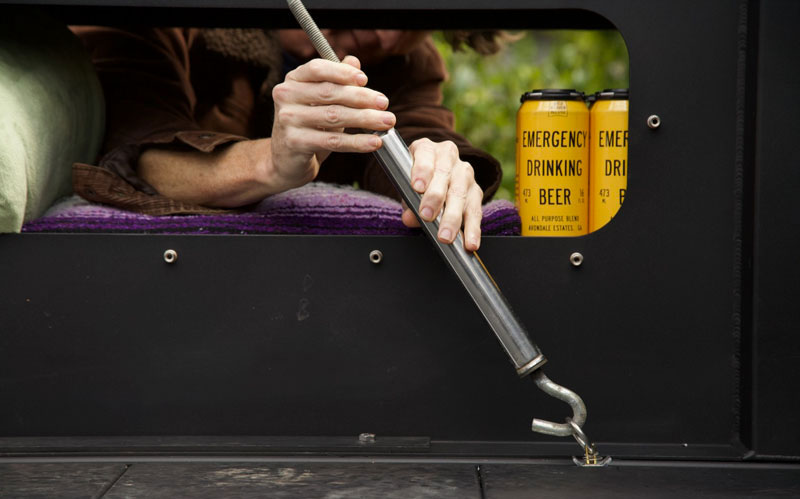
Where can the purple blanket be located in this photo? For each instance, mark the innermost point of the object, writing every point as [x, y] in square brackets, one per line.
[313, 209]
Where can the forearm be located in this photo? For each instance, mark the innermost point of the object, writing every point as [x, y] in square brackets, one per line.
[234, 175]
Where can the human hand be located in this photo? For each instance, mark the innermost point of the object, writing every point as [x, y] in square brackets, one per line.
[313, 106]
[443, 179]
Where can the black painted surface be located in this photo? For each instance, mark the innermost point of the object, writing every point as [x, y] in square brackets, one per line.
[57, 480]
[297, 480]
[303, 336]
[657, 481]
[777, 280]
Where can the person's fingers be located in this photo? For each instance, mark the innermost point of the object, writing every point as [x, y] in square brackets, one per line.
[352, 60]
[434, 197]
[318, 70]
[319, 94]
[461, 180]
[299, 139]
[472, 218]
[335, 116]
[408, 217]
[424, 154]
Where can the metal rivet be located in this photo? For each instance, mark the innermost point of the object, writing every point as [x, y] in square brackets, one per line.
[576, 259]
[170, 256]
[367, 438]
[653, 121]
[375, 256]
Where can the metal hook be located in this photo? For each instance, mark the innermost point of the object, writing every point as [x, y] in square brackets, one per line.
[578, 408]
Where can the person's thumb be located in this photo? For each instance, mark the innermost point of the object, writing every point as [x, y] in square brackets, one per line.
[352, 60]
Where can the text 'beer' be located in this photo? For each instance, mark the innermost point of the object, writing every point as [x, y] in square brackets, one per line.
[553, 163]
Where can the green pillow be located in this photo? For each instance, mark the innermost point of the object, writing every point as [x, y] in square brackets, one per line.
[51, 113]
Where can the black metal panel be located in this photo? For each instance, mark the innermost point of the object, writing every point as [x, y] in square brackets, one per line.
[303, 336]
[777, 281]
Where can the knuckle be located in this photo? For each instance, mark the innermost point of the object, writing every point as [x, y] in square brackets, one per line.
[280, 92]
[469, 172]
[316, 65]
[284, 115]
[423, 168]
[443, 167]
[333, 115]
[435, 195]
[420, 143]
[475, 212]
[458, 191]
[333, 141]
[450, 148]
[327, 91]
[292, 139]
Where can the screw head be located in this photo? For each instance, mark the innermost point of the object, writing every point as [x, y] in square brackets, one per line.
[170, 256]
[366, 438]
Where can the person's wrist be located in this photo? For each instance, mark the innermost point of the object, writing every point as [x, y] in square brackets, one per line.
[288, 169]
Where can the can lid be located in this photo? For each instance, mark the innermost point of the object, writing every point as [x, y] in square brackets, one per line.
[552, 94]
[613, 94]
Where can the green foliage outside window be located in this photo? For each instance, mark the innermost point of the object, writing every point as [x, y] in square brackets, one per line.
[484, 91]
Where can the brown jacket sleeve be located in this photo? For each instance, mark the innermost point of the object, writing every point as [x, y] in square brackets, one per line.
[149, 97]
[413, 85]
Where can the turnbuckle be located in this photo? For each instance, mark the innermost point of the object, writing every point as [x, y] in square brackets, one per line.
[573, 426]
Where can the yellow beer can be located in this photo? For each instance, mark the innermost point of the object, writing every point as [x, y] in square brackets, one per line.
[553, 163]
[608, 171]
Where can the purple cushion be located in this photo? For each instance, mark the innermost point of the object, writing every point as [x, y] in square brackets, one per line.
[313, 209]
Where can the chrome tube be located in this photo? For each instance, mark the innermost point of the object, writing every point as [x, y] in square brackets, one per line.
[397, 162]
[525, 355]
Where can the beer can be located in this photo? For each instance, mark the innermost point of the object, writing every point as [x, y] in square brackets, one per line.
[553, 163]
[608, 171]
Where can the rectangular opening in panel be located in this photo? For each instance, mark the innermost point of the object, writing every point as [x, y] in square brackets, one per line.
[180, 126]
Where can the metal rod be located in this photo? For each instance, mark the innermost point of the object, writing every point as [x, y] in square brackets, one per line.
[396, 161]
[324, 48]
[525, 355]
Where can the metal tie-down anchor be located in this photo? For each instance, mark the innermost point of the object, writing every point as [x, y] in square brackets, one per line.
[396, 161]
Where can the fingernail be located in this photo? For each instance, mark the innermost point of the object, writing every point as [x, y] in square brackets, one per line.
[374, 141]
[381, 101]
[445, 234]
[388, 118]
[361, 79]
[419, 185]
[473, 241]
[427, 213]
